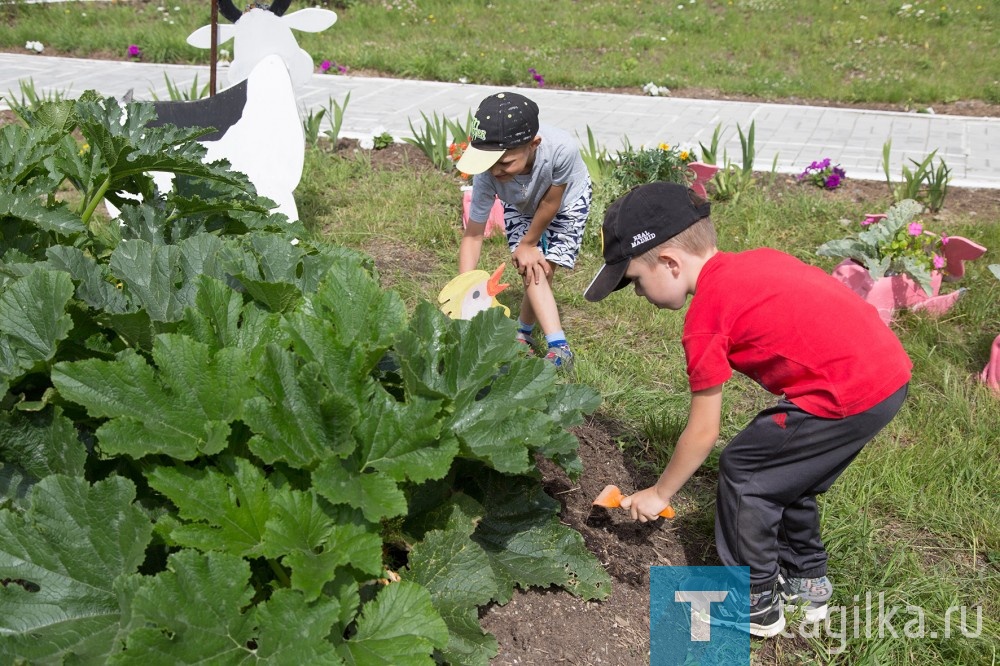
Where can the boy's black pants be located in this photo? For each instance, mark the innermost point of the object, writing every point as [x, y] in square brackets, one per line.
[769, 476]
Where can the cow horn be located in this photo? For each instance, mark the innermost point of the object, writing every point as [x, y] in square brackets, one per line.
[278, 7]
[229, 10]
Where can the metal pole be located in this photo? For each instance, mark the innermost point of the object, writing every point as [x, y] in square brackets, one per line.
[214, 57]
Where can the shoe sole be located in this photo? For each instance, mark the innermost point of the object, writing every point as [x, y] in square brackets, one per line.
[818, 614]
[756, 630]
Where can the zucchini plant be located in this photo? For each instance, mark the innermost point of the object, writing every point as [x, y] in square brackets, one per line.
[222, 444]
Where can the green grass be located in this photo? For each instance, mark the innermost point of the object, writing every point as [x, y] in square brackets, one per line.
[839, 50]
[915, 517]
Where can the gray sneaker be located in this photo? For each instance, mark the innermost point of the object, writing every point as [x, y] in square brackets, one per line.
[560, 356]
[810, 594]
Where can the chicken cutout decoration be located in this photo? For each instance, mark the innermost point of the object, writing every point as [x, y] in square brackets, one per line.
[471, 293]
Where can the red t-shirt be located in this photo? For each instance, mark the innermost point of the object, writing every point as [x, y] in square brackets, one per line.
[793, 329]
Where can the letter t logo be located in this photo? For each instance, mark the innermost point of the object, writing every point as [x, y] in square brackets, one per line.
[701, 603]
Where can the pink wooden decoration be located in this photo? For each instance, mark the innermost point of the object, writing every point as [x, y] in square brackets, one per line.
[991, 373]
[702, 174]
[895, 292]
[495, 221]
[957, 250]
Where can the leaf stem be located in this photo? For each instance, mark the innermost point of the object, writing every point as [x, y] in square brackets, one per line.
[279, 572]
[96, 199]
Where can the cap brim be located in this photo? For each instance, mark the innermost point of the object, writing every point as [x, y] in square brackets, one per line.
[474, 160]
[610, 278]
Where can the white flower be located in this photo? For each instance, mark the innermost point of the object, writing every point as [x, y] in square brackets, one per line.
[651, 89]
[34, 46]
[463, 79]
[295, 241]
[367, 143]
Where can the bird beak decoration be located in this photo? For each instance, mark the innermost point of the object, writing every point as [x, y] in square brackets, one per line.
[471, 293]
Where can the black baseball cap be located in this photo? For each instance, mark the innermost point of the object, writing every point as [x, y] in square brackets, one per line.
[640, 220]
[504, 120]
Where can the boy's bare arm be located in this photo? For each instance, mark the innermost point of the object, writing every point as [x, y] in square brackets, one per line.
[471, 246]
[693, 446]
[527, 258]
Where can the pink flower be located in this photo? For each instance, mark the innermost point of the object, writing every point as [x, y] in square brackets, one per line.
[938, 261]
[870, 219]
[915, 229]
[325, 66]
[944, 239]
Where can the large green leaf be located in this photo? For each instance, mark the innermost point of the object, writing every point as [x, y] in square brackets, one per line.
[153, 275]
[296, 417]
[293, 631]
[434, 364]
[219, 318]
[41, 443]
[33, 313]
[528, 545]
[377, 495]
[226, 507]
[33, 321]
[400, 627]
[313, 541]
[182, 408]
[192, 613]
[404, 440]
[24, 205]
[22, 152]
[457, 572]
[67, 557]
[130, 147]
[93, 280]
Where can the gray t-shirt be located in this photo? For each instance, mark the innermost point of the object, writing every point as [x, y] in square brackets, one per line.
[557, 162]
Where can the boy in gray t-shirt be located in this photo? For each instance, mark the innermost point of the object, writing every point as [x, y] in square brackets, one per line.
[539, 175]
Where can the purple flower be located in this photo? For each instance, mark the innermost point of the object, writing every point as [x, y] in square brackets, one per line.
[832, 181]
[840, 172]
[325, 66]
[134, 51]
[342, 69]
[915, 229]
[539, 79]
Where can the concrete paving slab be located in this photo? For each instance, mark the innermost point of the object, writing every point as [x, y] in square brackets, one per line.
[790, 137]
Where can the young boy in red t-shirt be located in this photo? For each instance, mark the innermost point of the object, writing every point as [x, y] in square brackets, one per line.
[796, 331]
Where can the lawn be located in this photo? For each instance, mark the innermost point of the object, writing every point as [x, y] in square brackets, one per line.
[917, 53]
[915, 520]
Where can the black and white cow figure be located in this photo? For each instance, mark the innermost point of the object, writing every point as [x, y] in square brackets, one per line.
[264, 30]
[257, 129]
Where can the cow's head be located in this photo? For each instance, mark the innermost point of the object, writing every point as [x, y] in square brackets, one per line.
[263, 30]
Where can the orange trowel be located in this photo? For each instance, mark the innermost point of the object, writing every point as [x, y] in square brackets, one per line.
[611, 498]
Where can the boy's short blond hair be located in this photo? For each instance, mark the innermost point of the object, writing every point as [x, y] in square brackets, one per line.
[699, 239]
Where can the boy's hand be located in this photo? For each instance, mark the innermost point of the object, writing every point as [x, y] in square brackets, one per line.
[645, 505]
[530, 263]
